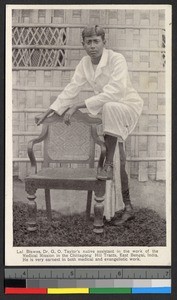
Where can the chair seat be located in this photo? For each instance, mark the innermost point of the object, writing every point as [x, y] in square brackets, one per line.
[65, 178]
[66, 173]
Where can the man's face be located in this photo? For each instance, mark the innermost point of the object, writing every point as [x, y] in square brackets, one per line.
[94, 45]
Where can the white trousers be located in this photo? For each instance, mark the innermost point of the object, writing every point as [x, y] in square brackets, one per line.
[118, 119]
[113, 198]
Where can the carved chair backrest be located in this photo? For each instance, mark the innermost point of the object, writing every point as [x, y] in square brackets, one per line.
[73, 143]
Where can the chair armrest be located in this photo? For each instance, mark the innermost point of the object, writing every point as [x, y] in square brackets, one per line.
[86, 118]
[31, 143]
[101, 144]
[78, 115]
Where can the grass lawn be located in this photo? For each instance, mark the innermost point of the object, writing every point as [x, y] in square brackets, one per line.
[147, 229]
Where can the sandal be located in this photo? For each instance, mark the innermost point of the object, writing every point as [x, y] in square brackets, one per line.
[127, 215]
[105, 173]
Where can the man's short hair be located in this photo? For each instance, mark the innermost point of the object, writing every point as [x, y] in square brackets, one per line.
[93, 30]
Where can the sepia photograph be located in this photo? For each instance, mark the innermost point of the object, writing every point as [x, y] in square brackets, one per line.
[88, 131]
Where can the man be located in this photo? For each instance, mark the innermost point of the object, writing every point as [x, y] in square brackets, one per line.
[115, 99]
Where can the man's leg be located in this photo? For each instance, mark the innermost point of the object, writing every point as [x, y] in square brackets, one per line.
[113, 127]
[128, 212]
[110, 142]
[107, 171]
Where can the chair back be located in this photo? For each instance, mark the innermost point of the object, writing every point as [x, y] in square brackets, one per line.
[69, 143]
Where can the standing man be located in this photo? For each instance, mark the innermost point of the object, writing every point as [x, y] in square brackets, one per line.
[115, 99]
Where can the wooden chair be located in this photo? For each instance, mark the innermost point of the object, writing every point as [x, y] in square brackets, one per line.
[67, 144]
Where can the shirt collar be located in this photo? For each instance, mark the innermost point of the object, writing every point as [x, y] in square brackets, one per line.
[104, 59]
[102, 62]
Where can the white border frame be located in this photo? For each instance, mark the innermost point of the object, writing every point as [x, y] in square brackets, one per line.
[13, 255]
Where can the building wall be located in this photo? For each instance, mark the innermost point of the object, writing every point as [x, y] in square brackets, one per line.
[46, 49]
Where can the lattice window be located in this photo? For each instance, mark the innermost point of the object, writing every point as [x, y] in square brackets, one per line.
[25, 55]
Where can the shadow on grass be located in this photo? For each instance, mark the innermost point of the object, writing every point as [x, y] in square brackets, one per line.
[147, 229]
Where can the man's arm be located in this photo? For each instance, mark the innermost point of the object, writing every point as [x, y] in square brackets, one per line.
[66, 98]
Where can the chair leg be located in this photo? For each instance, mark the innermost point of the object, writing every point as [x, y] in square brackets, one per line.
[99, 207]
[32, 213]
[89, 203]
[48, 204]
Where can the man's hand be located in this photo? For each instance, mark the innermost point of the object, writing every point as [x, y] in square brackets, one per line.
[68, 114]
[40, 118]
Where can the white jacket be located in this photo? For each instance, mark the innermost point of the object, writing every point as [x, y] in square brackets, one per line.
[110, 82]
